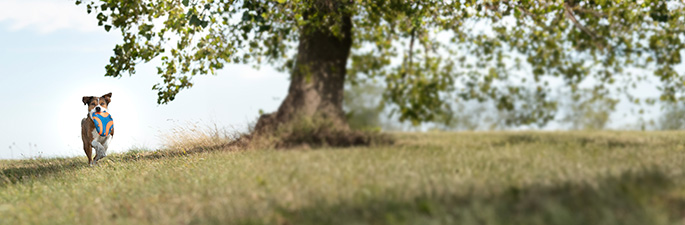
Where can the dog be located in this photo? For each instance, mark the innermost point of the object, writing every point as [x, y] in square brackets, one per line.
[90, 136]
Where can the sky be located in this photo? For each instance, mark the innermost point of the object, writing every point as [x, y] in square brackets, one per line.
[52, 53]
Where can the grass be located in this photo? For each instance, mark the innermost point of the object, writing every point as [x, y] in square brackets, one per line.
[434, 178]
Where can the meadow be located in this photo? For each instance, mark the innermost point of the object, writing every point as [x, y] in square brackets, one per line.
[603, 177]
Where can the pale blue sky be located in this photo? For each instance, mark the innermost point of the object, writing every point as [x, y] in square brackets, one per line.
[52, 53]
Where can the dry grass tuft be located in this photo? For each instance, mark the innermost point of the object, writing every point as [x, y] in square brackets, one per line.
[193, 137]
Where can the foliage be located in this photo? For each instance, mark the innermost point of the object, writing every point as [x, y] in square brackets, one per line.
[673, 117]
[587, 111]
[428, 53]
[364, 106]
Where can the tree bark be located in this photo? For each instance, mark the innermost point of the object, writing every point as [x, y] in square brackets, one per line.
[317, 80]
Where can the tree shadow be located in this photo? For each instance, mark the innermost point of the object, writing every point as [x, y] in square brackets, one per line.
[160, 154]
[24, 170]
[609, 142]
[18, 171]
[630, 198]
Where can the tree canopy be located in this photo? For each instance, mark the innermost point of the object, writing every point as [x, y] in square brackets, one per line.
[427, 53]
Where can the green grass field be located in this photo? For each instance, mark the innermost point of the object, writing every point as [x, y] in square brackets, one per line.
[434, 178]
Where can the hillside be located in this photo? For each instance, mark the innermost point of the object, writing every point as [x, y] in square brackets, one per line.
[433, 178]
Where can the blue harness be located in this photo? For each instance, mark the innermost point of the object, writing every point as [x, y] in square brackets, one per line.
[104, 124]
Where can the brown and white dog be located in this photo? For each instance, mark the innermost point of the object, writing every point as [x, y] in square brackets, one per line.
[91, 138]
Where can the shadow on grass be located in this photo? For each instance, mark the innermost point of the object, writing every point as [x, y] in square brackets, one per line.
[37, 168]
[581, 141]
[33, 169]
[631, 198]
[154, 155]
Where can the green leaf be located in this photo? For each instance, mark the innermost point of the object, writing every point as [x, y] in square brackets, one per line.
[194, 21]
[517, 13]
[246, 16]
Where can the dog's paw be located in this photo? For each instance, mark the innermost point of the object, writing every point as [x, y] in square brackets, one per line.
[99, 152]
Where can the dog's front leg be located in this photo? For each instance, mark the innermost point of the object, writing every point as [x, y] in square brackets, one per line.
[99, 151]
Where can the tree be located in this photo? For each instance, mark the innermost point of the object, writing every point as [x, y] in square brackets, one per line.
[673, 117]
[586, 112]
[427, 53]
[363, 106]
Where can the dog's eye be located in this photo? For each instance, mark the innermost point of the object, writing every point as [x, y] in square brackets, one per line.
[102, 104]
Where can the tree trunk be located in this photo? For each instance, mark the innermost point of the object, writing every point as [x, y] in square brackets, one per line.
[317, 81]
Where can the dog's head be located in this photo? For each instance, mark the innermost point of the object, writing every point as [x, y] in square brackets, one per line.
[97, 104]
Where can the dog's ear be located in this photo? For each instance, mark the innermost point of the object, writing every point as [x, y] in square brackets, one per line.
[86, 99]
[108, 97]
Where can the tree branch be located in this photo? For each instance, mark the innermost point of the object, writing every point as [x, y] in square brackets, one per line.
[569, 14]
[411, 53]
[532, 16]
